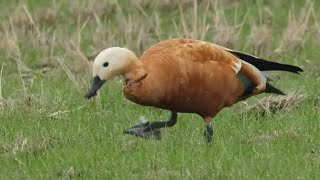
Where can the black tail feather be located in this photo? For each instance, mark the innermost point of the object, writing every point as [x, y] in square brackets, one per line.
[272, 89]
[264, 65]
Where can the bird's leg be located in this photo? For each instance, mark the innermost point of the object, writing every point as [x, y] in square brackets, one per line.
[152, 130]
[208, 133]
[171, 122]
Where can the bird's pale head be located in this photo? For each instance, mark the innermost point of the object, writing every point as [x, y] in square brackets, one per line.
[108, 64]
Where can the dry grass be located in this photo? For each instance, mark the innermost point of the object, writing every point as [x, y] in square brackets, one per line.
[188, 28]
[68, 72]
[273, 104]
[137, 31]
[72, 46]
[10, 45]
[316, 101]
[171, 5]
[68, 173]
[22, 73]
[316, 28]
[292, 134]
[102, 38]
[261, 35]
[224, 32]
[20, 20]
[49, 16]
[294, 35]
[198, 25]
[1, 97]
[260, 39]
[92, 8]
[20, 28]
[59, 114]
[26, 145]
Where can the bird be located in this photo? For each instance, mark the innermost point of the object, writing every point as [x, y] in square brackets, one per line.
[185, 75]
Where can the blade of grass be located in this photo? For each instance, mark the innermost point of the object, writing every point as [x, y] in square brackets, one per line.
[1, 71]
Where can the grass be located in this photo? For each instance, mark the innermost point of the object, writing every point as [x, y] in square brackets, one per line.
[49, 131]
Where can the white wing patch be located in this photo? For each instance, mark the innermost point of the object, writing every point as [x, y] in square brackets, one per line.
[238, 66]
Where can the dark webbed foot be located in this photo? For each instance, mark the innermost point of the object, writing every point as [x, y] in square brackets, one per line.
[144, 130]
[152, 130]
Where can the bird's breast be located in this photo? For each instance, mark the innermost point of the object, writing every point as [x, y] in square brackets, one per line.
[142, 93]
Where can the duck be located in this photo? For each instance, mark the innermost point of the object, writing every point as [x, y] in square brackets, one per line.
[184, 75]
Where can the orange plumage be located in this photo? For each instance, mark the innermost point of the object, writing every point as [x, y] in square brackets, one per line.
[189, 76]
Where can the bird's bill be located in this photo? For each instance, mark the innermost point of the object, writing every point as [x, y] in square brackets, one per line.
[96, 85]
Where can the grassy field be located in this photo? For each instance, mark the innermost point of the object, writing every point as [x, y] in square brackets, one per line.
[50, 131]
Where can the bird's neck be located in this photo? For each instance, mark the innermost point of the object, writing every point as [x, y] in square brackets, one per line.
[135, 70]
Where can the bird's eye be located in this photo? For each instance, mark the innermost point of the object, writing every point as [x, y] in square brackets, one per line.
[106, 64]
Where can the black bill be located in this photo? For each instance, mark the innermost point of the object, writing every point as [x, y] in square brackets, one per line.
[96, 85]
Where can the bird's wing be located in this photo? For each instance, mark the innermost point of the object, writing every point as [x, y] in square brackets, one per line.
[185, 51]
[206, 52]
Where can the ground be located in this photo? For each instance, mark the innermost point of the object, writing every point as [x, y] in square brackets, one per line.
[49, 130]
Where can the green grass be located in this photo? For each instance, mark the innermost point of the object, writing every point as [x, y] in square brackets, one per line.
[50, 131]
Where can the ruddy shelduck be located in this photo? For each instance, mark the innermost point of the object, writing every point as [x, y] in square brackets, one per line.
[185, 76]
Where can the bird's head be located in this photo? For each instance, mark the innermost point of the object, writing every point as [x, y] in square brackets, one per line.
[108, 64]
